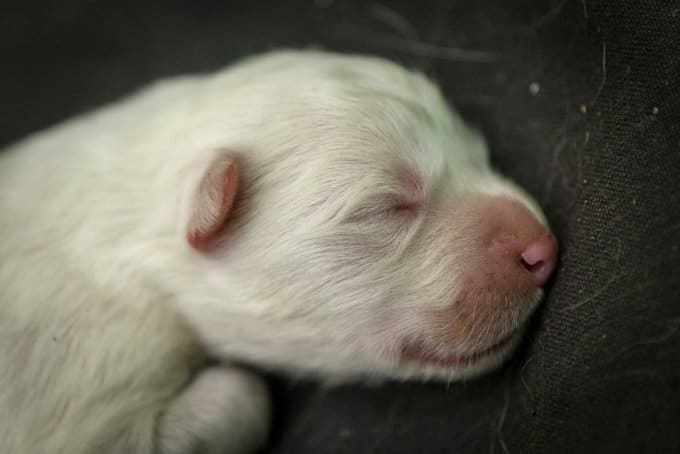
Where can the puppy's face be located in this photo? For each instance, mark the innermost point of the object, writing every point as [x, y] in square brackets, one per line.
[373, 240]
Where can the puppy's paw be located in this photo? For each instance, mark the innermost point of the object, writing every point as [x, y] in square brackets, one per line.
[224, 410]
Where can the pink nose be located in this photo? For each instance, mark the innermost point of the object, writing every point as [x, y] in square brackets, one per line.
[539, 258]
[517, 248]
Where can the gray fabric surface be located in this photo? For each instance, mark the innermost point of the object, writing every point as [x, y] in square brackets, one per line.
[598, 145]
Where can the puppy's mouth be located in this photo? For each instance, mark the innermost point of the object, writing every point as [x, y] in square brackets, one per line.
[426, 355]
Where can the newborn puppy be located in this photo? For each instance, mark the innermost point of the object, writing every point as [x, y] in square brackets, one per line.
[301, 211]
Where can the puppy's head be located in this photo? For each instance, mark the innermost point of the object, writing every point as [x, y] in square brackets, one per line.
[363, 232]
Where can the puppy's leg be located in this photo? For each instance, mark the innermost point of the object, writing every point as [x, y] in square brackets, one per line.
[224, 410]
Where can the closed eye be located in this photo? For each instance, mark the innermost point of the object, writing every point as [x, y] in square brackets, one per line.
[409, 210]
[386, 208]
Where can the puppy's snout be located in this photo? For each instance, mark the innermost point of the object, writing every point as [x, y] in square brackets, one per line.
[521, 250]
[539, 258]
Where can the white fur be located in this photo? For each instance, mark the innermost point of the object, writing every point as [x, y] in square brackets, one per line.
[106, 313]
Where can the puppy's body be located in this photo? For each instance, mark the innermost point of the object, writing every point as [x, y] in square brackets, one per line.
[123, 266]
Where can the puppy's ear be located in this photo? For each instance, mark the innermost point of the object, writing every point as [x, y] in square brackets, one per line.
[214, 201]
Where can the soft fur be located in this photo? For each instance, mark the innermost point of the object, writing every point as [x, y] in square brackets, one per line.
[352, 249]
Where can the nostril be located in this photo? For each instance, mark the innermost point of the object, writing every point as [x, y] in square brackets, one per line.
[539, 258]
[532, 268]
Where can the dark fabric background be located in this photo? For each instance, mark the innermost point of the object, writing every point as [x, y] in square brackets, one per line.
[598, 145]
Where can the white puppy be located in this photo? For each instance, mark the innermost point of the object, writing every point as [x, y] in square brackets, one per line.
[301, 211]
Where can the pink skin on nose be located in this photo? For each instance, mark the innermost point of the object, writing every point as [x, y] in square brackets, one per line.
[520, 251]
[539, 258]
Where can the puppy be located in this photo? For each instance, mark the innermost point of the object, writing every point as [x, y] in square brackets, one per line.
[304, 212]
